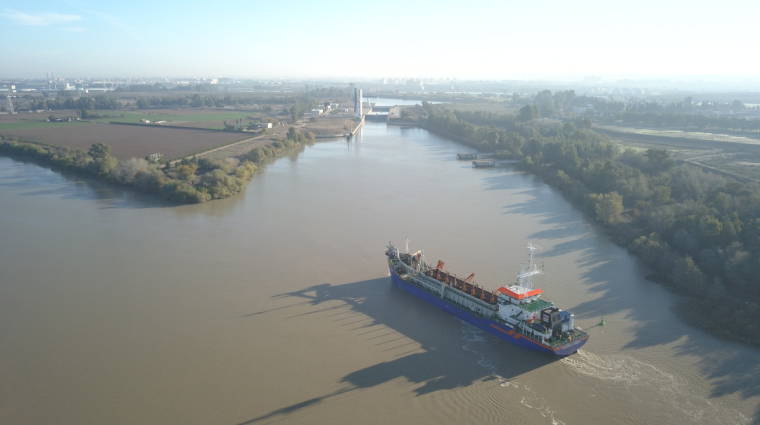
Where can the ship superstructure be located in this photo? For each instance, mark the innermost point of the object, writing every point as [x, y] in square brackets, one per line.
[515, 312]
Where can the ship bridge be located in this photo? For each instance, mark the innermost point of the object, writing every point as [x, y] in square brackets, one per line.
[519, 292]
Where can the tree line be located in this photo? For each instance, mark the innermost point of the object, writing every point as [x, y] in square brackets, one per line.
[81, 103]
[198, 101]
[192, 180]
[710, 116]
[698, 232]
[734, 117]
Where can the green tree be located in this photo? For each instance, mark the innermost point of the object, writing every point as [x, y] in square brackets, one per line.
[658, 160]
[187, 171]
[103, 163]
[196, 101]
[528, 113]
[608, 207]
[687, 275]
[99, 151]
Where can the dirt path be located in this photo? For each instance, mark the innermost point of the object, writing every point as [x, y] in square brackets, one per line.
[253, 141]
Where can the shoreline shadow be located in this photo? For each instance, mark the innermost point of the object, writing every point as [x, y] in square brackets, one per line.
[620, 284]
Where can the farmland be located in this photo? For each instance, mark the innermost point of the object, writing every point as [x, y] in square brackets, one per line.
[734, 156]
[125, 141]
[176, 133]
[128, 141]
[213, 119]
[32, 120]
[210, 146]
[194, 118]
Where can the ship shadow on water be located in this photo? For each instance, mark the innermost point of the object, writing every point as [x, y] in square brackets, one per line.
[444, 360]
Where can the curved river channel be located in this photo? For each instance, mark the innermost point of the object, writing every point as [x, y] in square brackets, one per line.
[275, 306]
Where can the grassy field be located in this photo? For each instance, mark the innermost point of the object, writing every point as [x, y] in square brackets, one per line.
[22, 124]
[195, 118]
[730, 155]
[213, 119]
[35, 120]
[130, 141]
[127, 141]
[679, 134]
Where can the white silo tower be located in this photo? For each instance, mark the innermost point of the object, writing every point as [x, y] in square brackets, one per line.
[358, 102]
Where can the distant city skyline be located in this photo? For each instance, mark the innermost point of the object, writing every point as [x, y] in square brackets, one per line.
[493, 40]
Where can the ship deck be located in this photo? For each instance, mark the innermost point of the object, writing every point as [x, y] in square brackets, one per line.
[558, 342]
[420, 279]
[536, 305]
[412, 279]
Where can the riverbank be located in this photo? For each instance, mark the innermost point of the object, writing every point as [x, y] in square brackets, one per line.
[696, 244]
[245, 293]
[191, 180]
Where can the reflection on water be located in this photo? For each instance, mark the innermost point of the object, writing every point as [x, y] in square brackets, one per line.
[116, 308]
[64, 184]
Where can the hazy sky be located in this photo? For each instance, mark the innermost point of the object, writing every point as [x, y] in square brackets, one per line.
[463, 39]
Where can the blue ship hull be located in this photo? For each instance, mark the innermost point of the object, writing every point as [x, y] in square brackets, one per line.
[497, 329]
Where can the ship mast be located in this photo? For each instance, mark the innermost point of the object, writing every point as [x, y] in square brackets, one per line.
[525, 277]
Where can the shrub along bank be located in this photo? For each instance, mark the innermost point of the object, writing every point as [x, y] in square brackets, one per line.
[698, 232]
[190, 181]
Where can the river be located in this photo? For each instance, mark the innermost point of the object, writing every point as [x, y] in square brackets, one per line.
[274, 306]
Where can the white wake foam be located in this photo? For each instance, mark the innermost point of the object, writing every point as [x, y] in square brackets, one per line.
[668, 388]
[471, 336]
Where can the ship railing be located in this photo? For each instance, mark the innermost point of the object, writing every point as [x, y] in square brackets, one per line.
[454, 281]
[455, 302]
[524, 330]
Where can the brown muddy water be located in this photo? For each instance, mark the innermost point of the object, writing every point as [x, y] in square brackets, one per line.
[275, 306]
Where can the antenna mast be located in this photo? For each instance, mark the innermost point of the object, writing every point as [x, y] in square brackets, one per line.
[525, 277]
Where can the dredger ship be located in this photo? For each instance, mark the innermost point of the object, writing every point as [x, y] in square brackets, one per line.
[515, 313]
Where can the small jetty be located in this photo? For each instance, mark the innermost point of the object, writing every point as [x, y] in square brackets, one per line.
[484, 163]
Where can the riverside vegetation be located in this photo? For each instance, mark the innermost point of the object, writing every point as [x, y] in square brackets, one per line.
[192, 180]
[698, 232]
